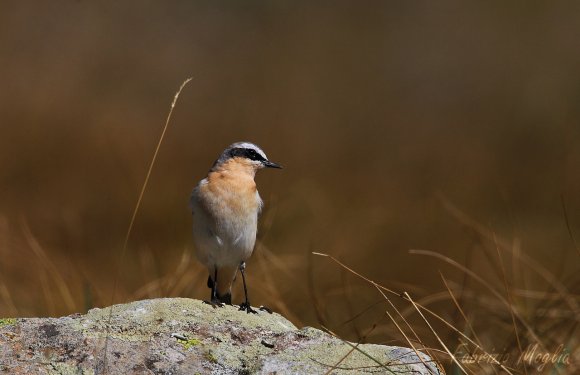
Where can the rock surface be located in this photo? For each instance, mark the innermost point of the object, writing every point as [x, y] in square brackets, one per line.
[185, 336]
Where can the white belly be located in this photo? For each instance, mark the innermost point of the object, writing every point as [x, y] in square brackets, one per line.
[223, 237]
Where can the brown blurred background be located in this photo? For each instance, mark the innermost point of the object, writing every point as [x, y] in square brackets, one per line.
[379, 111]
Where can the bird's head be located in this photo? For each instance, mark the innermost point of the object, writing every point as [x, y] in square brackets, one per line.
[244, 155]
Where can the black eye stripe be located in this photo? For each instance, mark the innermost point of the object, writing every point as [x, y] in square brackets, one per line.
[247, 153]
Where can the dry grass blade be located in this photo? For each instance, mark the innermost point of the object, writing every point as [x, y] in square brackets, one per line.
[408, 341]
[408, 326]
[185, 277]
[315, 300]
[425, 301]
[145, 183]
[364, 311]
[356, 273]
[570, 233]
[445, 296]
[436, 335]
[379, 286]
[136, 210]
[47, 264]
[504, 246]
[265, 263]
[427, 310]
[355, 347]
[511, 306]
[335, 366]
[463, 315]
[7, 300]
[485, 284]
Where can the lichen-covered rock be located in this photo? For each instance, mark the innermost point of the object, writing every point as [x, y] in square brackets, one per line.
[185, 336]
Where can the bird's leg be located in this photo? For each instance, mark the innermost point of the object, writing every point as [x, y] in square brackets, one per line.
[245, 305]
[214, 300]
[214, 287]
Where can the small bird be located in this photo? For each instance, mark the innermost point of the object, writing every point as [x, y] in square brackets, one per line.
[225, 207]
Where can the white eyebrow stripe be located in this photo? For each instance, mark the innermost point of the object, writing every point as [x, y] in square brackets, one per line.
[250, 146]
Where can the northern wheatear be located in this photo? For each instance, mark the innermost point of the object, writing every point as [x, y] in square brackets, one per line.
[225, 208]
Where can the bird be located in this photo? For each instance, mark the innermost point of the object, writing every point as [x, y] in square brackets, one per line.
[225, 207]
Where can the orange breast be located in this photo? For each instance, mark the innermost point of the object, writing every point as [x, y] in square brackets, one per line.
[233, 191]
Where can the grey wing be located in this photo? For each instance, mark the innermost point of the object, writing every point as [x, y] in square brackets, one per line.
[260, 203]
[193, 200]
[204, 229]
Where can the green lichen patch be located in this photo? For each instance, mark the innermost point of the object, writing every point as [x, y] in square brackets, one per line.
[210, 357]
[7, 321]
[188, 343]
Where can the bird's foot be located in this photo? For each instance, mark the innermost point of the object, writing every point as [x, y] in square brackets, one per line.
[246, 306]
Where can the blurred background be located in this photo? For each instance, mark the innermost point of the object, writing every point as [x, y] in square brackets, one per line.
[436, 126]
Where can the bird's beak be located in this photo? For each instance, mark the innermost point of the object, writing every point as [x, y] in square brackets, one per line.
[269, 164]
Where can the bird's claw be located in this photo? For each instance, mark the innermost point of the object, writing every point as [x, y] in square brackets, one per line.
[246, 306]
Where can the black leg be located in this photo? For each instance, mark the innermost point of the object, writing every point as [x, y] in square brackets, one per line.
[213, 298]
[246, 305]
[214, 287]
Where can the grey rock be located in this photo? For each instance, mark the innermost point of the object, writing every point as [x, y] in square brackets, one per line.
[186, 336]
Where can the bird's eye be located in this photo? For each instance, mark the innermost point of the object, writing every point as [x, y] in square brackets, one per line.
[250, 154]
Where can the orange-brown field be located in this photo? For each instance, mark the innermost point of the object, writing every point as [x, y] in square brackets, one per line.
[429, 148]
